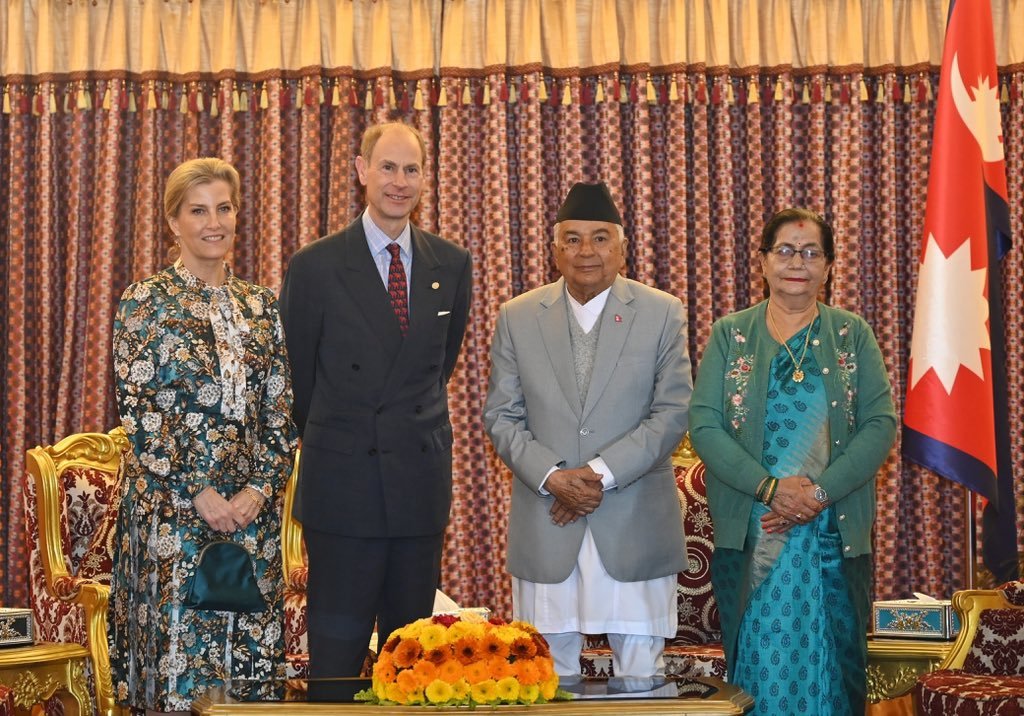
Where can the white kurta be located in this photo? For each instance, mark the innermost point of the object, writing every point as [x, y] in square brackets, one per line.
[590, 601]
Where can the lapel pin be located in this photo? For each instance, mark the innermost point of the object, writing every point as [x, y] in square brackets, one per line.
[618, 318]
[435, 285]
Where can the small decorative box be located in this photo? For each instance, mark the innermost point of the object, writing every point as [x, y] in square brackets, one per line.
[919, 618]
[15, 627]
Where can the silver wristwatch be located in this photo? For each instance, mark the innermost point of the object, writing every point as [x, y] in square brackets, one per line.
[820, 495]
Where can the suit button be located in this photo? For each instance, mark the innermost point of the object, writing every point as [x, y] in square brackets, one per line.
[371, 452]
[355, 366]
[585, 432]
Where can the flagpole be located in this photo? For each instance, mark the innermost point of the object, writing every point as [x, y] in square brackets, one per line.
[969, 542]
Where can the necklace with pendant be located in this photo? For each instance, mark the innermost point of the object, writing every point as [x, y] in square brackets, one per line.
[798, 374]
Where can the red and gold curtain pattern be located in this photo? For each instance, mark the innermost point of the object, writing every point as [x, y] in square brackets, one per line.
[697, 154]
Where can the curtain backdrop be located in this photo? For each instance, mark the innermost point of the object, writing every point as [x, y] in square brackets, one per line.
[703, 117]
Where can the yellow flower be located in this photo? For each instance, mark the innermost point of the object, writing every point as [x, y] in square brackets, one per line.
[439, 692]
[432, 636]
[394, 693]
[529, 693]
[548, 688]
[508, 689]
[484, 692]
[460, 690]
[416, 697]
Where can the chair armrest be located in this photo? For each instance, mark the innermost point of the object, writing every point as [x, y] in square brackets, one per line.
[291, 535]
[969, 605]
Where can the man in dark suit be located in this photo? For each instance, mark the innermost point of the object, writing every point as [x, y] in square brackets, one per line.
[374, 318]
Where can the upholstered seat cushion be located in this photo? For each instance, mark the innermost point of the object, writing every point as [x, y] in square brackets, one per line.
[953, 691]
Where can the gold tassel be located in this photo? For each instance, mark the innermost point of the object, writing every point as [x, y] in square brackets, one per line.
[487, 93]
[151, 98]
[442, 96]
[335, 95]
[392, 101]
[828, 92]
[880, 95]
[513, 92]
[417, 100]
[753, 91]
[243, 101]
[183, 104]
[778, 90]
[7, 101]
[264, 98]
[1004, 94]
[805, 95]
[214, 108]
[863, 90]
[108, 101]
[320, 96]
[53, 104]
[567, 94]
[624, 91]
[730, 97]
[928, 89]
[467, 95]
[542, 90]
[200, 103]
[67, 102]
[132, 107]
[235, 101]
[906, 91]
[673, 90]
[652, 94]
[165, 100]
[82, 103]
[599, 93]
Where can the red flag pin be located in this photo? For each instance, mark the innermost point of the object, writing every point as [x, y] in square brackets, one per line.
[618, 318]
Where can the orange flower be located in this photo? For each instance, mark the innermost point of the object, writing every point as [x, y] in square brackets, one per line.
[524, 648]
[499, 669]
[467, 649]
[406, 653]
[438, 654]
[548, 688]
[526, 671]
[450, 671]
[407, 681]
[542, 646]
[425, 672]
[476, 671]
[385, 671]
[546, 669]
[492, 645]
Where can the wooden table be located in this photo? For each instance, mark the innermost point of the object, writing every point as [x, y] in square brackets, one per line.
[893, 668]
[37, 672]
[727, 699]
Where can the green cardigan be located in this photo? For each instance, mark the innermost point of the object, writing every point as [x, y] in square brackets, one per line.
[727, 419]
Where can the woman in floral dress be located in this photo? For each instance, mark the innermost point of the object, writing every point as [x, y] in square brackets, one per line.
[204, 393]
[792, 414]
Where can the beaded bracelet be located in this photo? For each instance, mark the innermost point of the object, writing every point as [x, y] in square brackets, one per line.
[252, 496]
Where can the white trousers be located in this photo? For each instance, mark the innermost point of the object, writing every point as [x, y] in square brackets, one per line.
[632, 654]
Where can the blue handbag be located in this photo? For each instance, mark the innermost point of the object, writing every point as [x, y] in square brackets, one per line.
[224, 580]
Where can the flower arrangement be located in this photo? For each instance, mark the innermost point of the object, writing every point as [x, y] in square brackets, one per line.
[449, 660]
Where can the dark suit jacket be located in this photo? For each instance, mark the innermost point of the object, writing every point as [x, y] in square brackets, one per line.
[372, 407]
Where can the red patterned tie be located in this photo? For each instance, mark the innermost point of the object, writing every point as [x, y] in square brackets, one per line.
[397, 288]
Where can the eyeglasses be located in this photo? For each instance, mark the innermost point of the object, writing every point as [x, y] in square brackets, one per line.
[787, 252]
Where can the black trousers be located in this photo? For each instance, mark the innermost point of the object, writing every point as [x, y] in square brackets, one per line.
[355, 581]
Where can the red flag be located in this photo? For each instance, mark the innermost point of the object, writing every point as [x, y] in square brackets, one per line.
[954, 417]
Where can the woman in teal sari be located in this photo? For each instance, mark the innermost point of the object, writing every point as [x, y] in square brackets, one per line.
[792, 414]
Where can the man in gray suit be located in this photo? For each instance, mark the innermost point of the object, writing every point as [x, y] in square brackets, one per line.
[590, 383]
[374, 317]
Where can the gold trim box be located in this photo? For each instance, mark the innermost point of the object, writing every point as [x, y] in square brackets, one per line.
[915, 619]
[15, 627]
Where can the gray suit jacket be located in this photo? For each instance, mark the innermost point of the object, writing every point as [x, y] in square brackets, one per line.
[634, 416]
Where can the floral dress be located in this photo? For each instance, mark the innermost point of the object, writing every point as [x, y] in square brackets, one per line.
[204, 393]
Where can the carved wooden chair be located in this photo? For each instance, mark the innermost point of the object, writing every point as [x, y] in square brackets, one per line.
[71, 509]
[984, 671]
[696, 649]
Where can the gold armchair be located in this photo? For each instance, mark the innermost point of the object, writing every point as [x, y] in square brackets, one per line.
[71, 509]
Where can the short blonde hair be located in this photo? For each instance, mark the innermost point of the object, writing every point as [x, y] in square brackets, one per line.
[195, 172]
[376, 131]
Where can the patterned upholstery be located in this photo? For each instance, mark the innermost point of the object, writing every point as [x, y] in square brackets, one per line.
[697, 648]
[984, 672]
[6, 701]
[70, 505]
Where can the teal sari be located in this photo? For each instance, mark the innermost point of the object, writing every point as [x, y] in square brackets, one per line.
[794, 612]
